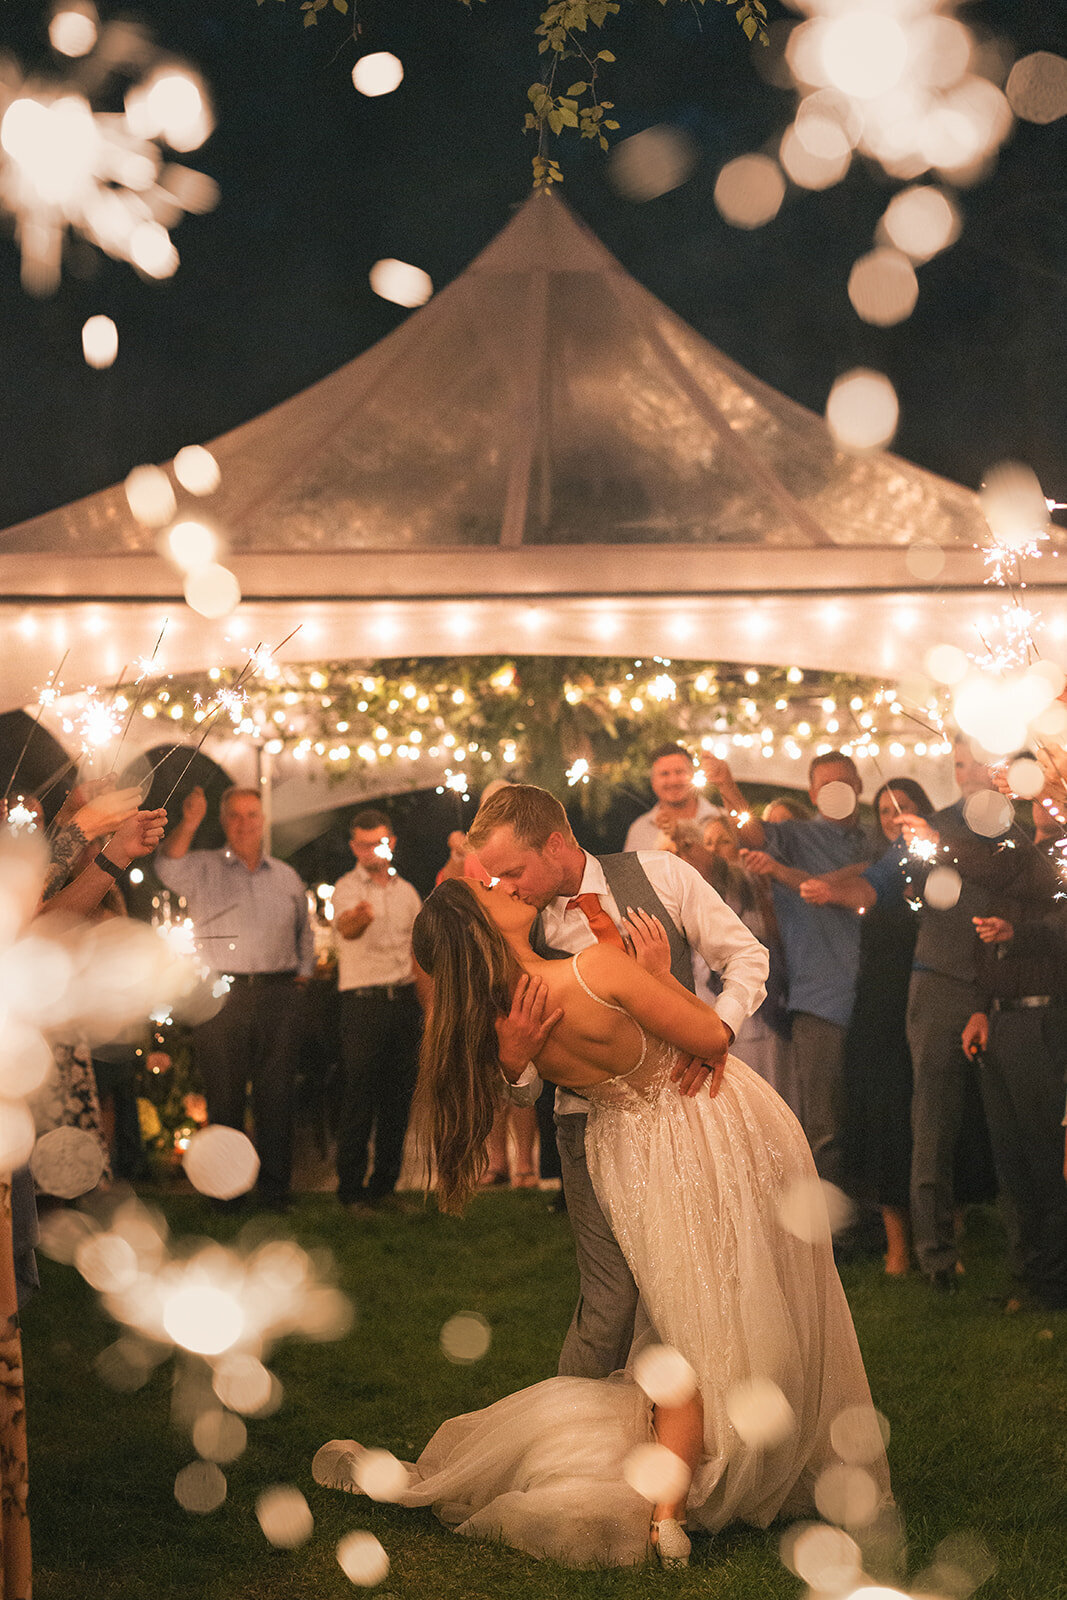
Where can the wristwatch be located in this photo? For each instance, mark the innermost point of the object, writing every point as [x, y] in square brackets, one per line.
[107, 865]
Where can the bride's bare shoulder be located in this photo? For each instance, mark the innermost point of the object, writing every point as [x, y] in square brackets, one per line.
[604, 968]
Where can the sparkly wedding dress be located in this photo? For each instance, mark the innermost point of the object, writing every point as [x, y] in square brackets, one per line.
[695, 1190]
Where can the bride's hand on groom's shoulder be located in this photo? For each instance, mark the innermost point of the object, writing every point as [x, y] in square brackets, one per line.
[522, 1033]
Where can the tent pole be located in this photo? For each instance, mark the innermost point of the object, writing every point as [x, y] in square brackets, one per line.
[265, 785]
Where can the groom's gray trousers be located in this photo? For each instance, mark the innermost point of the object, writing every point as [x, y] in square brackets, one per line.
[602, 1328]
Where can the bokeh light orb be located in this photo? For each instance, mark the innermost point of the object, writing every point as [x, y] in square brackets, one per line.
[363, 1559]
[150, 496]
[100, 342]
[401, 283]
[107, 1262]
[924, 559]
[827, 1559]
[988, 813]
[656, 1473]
[221, 1162]
[827, 124]
[847, 1495]
[946, 663]
[284, 1516]
[25, 1059]
[652, 163]
[836, 800]
[203, 1318]
[218, 1435]
[760, 1413]
[749, 191]
[152, 251]
[813, 1210]
[943, 887]
[67, 1162]
[859, 1434]
[381, 1476]
[213, 591]
[807, 170]
[192, 545]
[466, 1337]
[883, 288]
[862, 410]
[1013, 503]
[921, 221]
[665, 1375]
[17, 1135]
[73, 29]
[200, 1487]
[1037, 87]
[864, 52]
[197, 470]
[243, 1383]
[378, 73]
[1026, 778]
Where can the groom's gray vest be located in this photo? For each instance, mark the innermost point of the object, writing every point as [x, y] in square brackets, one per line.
[629, 884]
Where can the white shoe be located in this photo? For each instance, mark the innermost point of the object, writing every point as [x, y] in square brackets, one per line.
[671, 1543]
[336, 1465]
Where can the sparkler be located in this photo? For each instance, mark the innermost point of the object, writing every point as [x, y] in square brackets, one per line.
[47, 697]
[141, 679]
[254, 661]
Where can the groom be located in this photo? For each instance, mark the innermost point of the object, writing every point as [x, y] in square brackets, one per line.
[522, 837]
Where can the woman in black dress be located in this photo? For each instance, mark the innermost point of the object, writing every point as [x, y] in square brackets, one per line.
[877, 1059]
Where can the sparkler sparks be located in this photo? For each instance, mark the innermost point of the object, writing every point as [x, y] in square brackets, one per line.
[65, 167]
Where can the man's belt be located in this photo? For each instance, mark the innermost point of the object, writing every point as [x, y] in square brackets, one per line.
[257, 980]
[382, 991]
[1025, 1002]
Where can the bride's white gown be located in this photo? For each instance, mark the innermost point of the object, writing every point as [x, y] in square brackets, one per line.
[693, 1189]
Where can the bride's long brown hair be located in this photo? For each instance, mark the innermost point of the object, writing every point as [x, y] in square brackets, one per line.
[459, 1087]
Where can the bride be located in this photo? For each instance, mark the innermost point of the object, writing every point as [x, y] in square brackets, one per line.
[711, 1202]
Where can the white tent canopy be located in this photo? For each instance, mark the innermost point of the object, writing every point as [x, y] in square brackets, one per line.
[543, 459]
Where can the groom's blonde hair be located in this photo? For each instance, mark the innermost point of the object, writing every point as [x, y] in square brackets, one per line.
[532, 814]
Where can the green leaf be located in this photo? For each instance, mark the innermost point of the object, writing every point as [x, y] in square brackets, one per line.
[604, 55]
[750, 25]
[341, 6]
[611, 125]
[577, 88]
[555, 121]
[568, 118]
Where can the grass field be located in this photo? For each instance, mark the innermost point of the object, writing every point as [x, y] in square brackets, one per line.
[977, 1401]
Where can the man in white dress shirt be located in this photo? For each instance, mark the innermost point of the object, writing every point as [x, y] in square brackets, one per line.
[381, 1015]
[671, 772]
[523, 839]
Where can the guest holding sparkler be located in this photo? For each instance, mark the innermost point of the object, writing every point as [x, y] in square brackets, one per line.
[878, 1070]
[381, 1015]
[258, 905]
[821, 943]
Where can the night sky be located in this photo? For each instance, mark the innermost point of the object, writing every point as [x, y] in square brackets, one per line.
[318, 183]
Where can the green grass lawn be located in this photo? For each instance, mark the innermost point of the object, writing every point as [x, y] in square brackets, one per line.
[977, 1401]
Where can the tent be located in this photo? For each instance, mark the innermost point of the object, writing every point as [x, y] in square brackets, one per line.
[543, 458]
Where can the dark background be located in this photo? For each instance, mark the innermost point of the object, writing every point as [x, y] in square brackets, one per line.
[319, 182]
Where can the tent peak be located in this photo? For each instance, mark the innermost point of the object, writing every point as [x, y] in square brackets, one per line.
[545, 235]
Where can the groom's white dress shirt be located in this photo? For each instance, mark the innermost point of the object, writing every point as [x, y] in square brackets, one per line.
[709, 926]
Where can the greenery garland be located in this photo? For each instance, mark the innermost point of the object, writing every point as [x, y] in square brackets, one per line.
[587, 723]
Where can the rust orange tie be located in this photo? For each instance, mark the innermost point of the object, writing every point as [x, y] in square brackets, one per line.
[605, 930]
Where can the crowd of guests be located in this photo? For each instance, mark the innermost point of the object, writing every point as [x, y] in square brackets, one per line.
[919, 1039]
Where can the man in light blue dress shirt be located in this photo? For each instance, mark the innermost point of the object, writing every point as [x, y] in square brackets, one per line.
[260, 905]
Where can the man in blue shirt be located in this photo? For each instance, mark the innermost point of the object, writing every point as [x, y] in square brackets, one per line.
[260, 904]
[821, 944]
